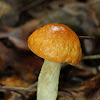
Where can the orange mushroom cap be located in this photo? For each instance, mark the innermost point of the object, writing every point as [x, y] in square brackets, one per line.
[57, 43]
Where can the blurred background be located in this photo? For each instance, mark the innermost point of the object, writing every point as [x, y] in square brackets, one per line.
[19, 67]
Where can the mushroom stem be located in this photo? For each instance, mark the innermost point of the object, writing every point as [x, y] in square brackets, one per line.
[48, 81]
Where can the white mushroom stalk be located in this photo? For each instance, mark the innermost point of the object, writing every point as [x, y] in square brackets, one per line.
[48, 81]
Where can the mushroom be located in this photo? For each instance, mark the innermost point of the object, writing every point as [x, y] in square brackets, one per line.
[56, 43]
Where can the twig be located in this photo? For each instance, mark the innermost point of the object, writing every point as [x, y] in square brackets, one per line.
[86, 37]
[17, 89]
[94, 2]
[61, 90]
[31, 5]
[24, 92]
[92, 57]
[33, 85]
[21, 94]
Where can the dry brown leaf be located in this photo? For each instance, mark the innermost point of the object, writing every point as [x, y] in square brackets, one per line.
[15, 81]
[18, 36]
[19, 62]
[89, 90]
[81, 14]
[69, 95]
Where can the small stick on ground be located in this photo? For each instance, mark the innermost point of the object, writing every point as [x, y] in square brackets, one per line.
[86, 37]
[18, 89]
[91, 57]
